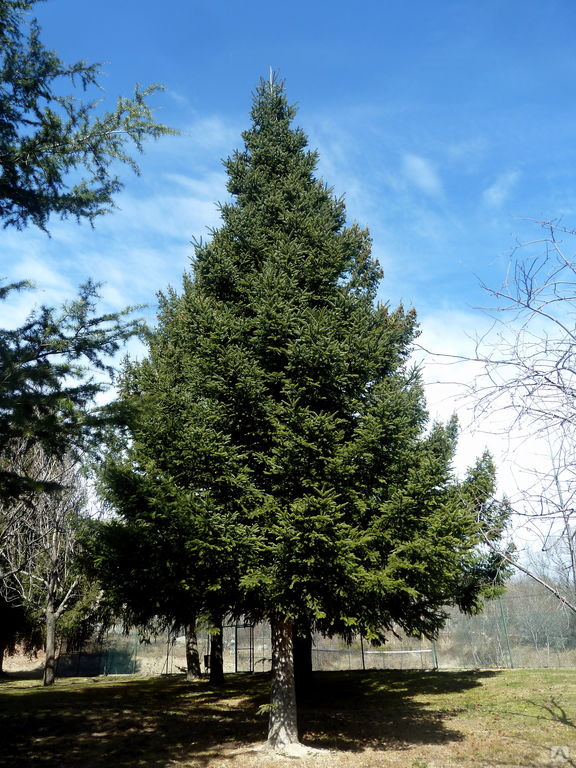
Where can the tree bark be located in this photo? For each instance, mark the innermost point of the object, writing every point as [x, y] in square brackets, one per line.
[3, 647]
[50, 661]
[217, 654]
[302, 639]
[283, 727]
[192, 655]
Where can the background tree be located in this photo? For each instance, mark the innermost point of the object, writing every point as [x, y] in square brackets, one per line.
[277, 395]
[527, 385]
[57, 155]
[174, 552]
[48, 140]
[17, 630]
[48, 137]
[41, 550]
[162, 564]
[45, 385]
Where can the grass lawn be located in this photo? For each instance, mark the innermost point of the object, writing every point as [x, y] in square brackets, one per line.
[442, 719]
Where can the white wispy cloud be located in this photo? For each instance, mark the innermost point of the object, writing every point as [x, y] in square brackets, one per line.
[446, 356]
[499, 192]
[422, 174]
[214, 133]
[467, 150]
[338, 166]
[136, 251]
[211, 136]
[177, 216]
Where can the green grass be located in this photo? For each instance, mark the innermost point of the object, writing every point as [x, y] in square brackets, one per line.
[472, 719]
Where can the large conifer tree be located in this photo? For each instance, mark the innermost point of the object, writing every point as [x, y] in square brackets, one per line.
[278, 396]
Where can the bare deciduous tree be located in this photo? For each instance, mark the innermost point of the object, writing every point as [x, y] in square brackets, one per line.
[529, 355]
[527, 386]
[39, 541]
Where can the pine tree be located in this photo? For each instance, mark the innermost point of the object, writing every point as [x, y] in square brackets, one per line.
[47, 387]
[166, 564]
[48, 138]
[278, 393]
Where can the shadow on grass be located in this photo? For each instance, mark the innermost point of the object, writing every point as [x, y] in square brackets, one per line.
[120, 724]
[34, 673]
[155, 722]
[553, 711]
[380, 710]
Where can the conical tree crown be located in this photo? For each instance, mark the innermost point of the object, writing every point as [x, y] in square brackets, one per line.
[277, 396]
[282, 217]
[289, 277]
[298, 376]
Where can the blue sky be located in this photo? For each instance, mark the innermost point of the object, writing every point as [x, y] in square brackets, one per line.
[444, 124]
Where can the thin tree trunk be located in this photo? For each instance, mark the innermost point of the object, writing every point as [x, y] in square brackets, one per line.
[3, 647]
[192, 655]
[50, 662]
[283, 727]
[217, 654]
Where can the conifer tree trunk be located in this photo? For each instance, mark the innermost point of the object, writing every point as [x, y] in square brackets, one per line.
[192, 655]
[217, 655]
[282, 728]
[302, 639]
[50, 661]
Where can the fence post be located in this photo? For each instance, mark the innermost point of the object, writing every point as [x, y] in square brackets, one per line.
[505, 629]
[135, 654]
[434, 655]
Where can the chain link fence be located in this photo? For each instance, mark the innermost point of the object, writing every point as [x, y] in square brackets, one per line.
[526, 627]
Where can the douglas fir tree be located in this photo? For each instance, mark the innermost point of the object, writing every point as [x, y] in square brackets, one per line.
[277, 398]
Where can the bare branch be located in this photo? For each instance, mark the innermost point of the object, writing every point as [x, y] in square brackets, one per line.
[528, 572]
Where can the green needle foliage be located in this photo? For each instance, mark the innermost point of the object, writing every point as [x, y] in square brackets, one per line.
[56, 150]
[278, 403]
[47, 382]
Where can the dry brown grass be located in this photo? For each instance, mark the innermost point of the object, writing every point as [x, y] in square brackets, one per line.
[503, 719]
